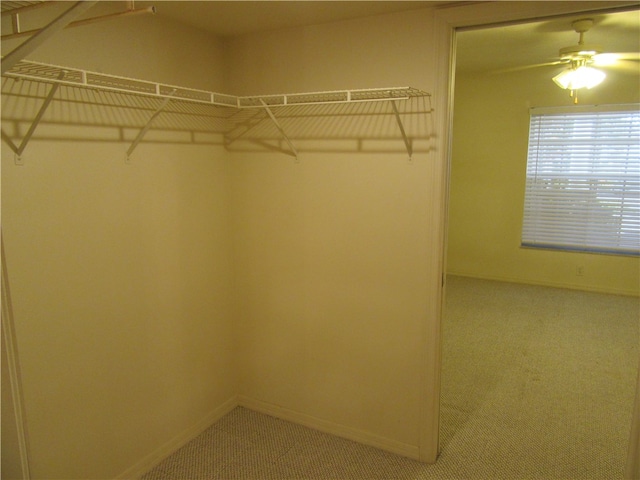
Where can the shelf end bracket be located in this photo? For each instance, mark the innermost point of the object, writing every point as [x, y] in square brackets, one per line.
[18, 150]
[146, 128]
[280, 129]
[407, 141]
[18, 159]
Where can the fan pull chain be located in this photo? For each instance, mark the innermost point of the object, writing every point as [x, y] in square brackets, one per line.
[574, 94]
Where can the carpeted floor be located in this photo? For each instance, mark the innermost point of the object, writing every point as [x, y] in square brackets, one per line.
[538, 383]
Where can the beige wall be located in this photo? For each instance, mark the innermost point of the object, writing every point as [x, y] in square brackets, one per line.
[130, 268]
[119, 278]
[146, 296]
[491, 128]
[379, 51]
[120, 274]
[331, 279]
[332, 260]
[147, 47]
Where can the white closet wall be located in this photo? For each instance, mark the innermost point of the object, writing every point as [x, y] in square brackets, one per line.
[141, 46]
[150, 298]
[120, 274]
[195, 274]
[332, 264]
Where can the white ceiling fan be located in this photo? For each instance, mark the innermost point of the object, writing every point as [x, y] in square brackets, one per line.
[586, 54]
[591, 54]
[584, 61]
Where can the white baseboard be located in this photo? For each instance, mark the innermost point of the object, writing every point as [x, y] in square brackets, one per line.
[147, 463]
[383, 443]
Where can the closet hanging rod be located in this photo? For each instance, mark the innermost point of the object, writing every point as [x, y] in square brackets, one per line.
[140, 11]
[41, 72]
[10, 60]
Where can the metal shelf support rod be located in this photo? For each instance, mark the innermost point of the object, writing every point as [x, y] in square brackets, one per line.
[407, 142]
[280, 129]
[252, 123]
[12, 145]
[146, 128]
[25, 141]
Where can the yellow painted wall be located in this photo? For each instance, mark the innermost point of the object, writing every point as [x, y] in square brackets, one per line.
[133, 269]
[120, 274]
[332, 269]
[491, 128]
[119, 279]
[147, 296]
[331, 276]
[379, 51]
[147, 47]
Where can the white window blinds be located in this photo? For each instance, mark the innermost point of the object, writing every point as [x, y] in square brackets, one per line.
[583, 180]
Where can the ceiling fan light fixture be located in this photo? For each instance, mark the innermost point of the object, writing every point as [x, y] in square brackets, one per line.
[581, 77]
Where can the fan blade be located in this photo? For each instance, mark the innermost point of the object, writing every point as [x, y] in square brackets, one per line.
[625, 66]
[628, 56]
[527, 67]
[606, 59]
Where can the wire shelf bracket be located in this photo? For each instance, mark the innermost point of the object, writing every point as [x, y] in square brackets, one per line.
[294, 151]
[407, 142]
[247, 125]
[146, 128]
[18, 150]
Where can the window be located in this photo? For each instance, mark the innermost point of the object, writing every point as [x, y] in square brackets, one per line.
[583, 180]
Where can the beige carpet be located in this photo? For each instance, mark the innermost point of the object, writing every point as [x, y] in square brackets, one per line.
[537, 383]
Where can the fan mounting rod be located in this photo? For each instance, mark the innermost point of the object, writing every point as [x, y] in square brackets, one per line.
[581, 26]
[581, 51]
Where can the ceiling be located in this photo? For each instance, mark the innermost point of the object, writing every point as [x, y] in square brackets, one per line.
[231, 18]
[516, 46]
[478, 50]
[487, 49]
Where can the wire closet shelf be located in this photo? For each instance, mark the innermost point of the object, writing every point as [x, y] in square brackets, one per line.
[236, 110]
[42, 72]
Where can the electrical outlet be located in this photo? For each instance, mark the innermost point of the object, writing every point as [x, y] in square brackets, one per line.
[580, 270]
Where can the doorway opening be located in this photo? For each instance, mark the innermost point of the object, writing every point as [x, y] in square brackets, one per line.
[522, 328]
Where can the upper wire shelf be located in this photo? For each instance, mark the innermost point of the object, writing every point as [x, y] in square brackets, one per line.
[27, 70]
[82, 78]
[9, 6]
[91, 99]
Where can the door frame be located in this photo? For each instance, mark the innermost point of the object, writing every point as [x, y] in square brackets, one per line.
[12, 379]
[448, 20]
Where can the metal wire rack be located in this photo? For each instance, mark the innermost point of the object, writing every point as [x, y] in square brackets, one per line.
[237, 118]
